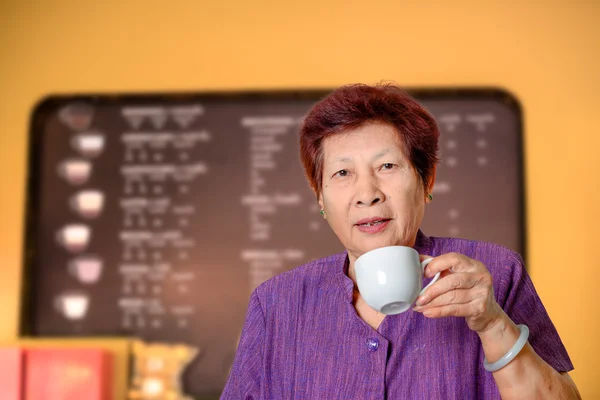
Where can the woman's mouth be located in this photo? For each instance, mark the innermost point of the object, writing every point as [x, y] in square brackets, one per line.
[372, 225]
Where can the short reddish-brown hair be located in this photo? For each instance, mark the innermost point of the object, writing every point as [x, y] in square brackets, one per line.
[351, 106]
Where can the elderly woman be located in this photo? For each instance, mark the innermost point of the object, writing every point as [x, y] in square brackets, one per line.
[370, 155]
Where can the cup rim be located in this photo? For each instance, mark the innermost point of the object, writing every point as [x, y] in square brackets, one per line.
[377, 250]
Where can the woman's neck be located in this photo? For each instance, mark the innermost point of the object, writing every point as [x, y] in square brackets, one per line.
[351, 271]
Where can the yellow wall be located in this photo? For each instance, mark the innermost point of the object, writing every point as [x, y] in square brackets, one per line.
[546, 53]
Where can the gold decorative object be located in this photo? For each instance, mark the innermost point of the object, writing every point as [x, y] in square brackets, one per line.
[157, 370]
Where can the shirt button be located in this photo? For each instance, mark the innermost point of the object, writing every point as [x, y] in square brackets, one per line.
[372, 344]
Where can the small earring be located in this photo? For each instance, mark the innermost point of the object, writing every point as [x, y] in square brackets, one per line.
[323, 213]
[430, 197]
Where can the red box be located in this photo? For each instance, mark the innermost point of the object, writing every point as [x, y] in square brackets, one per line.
[11, 373]
[68, 374]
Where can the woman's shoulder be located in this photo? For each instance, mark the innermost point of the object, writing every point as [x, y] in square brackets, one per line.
[499, 259]
[485, 252]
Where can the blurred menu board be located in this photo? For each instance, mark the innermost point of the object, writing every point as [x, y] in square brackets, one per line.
[155, 216]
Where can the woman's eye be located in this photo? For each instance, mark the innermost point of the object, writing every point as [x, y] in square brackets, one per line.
[342, 173]
[387, 166]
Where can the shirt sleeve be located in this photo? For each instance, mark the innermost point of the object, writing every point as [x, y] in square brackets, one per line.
[521, 302]
[244, 382]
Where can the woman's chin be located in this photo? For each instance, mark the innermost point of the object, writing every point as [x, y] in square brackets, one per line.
[376, 243]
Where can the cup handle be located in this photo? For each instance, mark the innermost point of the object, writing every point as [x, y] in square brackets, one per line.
[435, 278]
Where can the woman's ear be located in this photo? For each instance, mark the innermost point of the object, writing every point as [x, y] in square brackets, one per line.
[322, 206]
[431, 180]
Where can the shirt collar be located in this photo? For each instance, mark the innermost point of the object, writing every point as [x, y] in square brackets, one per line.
[342, 263]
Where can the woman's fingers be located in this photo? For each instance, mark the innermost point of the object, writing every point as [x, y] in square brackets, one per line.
[465, 289]
[448, 283]
[459, 296]
[454, 262]
[453, 310]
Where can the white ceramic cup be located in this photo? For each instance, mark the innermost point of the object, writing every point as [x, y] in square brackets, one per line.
[390, 278]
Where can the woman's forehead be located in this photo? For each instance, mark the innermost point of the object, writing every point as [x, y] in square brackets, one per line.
[370, 141]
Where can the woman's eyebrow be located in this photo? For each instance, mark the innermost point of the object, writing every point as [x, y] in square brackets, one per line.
[348, 159]
[342, 159]
[381, 154]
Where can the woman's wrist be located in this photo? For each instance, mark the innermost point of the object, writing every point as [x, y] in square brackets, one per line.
[498, 337]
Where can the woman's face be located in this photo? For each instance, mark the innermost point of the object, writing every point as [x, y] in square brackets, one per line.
[371, 193]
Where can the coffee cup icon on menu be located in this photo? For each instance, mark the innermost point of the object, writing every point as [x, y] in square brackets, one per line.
[77, 116]
[88, 203]
[89, 144]
[72, 305]
[86, 269]
[74, 171]
[74, 237]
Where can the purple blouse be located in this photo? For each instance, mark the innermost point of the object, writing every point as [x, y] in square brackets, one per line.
[302, 338]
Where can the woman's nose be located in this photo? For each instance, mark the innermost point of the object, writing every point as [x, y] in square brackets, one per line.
[369, 193]
[368, 203]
